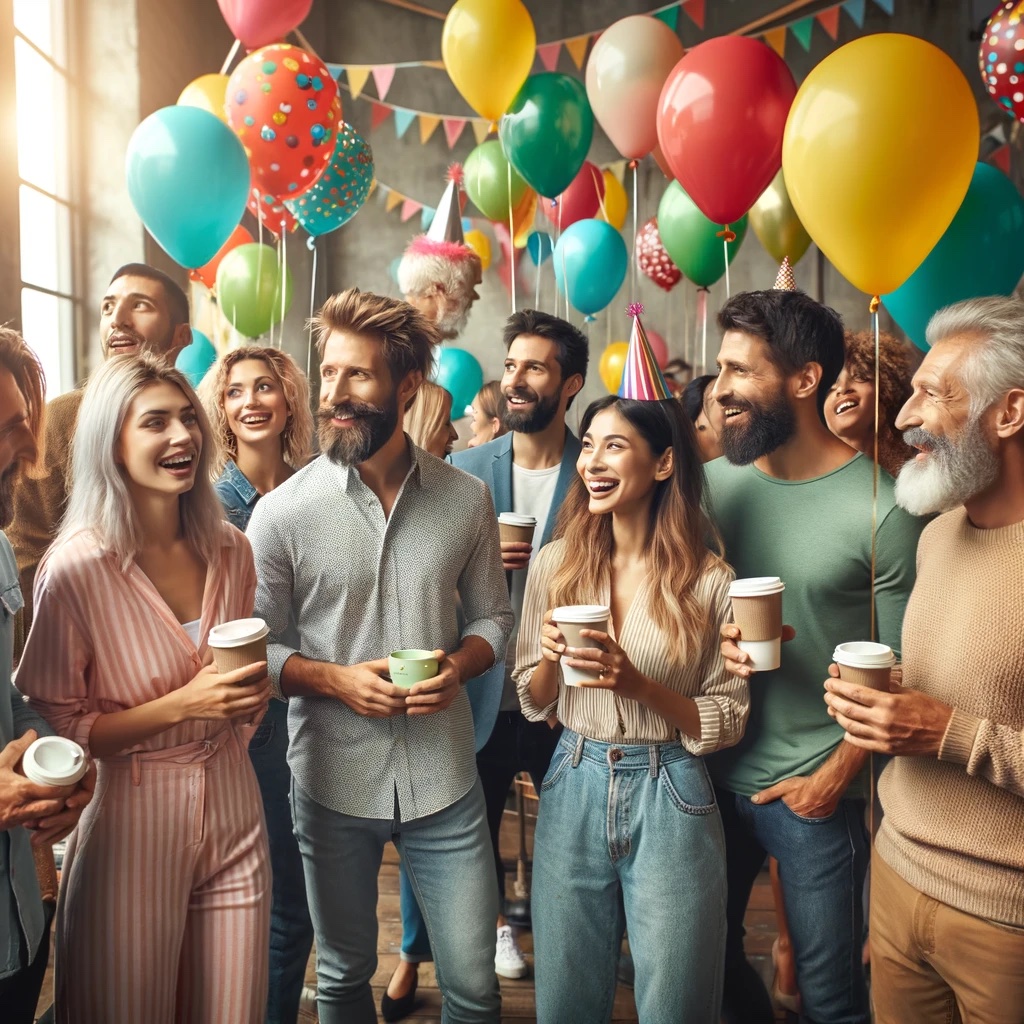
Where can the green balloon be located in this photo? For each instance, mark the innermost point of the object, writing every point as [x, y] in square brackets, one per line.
[547, 131]
[692, 240]
[249, 289]
[485, 174]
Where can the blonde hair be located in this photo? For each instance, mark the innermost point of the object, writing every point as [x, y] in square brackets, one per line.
[100, 500]
[24, 366]
[297, 436]
[428, 409]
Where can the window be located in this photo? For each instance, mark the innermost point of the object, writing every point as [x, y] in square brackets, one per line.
[50, 305]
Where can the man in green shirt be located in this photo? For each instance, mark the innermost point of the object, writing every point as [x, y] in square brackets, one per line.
[791, 500]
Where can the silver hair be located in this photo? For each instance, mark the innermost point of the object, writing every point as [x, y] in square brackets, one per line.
[996, 365]
[100, 500]
[419, 272]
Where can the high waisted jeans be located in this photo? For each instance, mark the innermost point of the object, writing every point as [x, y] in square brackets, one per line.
[628, 835]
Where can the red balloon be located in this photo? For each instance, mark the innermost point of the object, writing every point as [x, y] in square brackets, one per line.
[259, 22]
[653, 260]
[659, 348]
[1000, 58]
[580, 201]
[272, 214]
[284, 106]
[721, 117]
[207, 273]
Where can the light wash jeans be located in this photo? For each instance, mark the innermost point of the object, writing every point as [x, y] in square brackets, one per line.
[448, 858]
[628, 835]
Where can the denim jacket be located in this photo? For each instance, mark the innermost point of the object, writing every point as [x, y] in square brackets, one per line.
[21, 908]
[237, 495]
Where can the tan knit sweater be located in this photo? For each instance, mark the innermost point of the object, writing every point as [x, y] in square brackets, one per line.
[954, 826]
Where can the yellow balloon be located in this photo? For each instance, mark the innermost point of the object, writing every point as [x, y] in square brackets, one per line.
[613, 362]
[776, 224]
[879, 148]
[207, 92]
[616, 205]
[481, 245]
[488, 48]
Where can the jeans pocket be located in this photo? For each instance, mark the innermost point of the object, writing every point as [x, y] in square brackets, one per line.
[808, 821]
[688, 787]
[555, 771]
[264, 734]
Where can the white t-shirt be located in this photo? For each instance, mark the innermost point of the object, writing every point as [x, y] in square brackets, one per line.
[533, 491]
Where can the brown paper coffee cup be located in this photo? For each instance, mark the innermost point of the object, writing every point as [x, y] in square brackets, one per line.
[875, 678]
[230, 658]
[513, 534]
[759, 618]
[238, 643]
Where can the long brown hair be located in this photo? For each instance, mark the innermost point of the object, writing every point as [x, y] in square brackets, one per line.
[678, 530]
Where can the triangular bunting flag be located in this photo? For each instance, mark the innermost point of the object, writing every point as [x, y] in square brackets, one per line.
[670, 16]
[403, 118]
[428, 125]
[426, 217]
[383, 76]
[776, 39]
[619, 170]
[695, 11]
[886, 5]
[378, 115]
[453, 128]
[357, 76]
[578, 49]
[393, 199]
[481, 129]
[829, 21]
[410, 208]
[1001, 159]
[855, 9]
[548, 54]
[373, 188]
[802, 30]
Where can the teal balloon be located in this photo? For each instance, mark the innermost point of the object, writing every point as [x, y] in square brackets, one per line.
[249, 289]
[340, 192]
[195, 359]
[981, 253]
[539, 246]
[590, 264]
[393, 268]
[458, 372]
[547, 131]
[188, 179]
[692, 241]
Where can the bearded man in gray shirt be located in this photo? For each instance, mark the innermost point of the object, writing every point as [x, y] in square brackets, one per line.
[364, 552]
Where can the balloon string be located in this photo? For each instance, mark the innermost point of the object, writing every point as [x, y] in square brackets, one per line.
[874, 531]
[536, 290]
[558, 234]
[511, 238]
[633, 165]
[727, 235]
[282, 277]
[232, 53]
[312, 307]
[702, 324]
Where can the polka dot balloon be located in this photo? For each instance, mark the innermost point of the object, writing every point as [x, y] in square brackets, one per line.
[272, 213]
[284, 106]
[1001, 57]
[652, 258]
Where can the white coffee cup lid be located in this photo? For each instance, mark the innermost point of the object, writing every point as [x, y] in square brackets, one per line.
[515, 519]
[54, 761]
[237, 633]
[862, 654]
[756, 586]
[581, 613]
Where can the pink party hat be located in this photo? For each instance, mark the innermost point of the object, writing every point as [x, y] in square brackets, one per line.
[641, 379]
[784, 280]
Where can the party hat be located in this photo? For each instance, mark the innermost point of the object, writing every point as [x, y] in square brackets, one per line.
[641, 379]
[447, 223]
[785, 281]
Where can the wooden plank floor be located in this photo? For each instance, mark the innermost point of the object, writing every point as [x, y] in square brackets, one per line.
[517, 996]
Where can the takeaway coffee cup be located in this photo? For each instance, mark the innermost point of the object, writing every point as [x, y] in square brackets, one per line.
[410, 667]
[570, 619]
[54, 761]
[516, 528]
[238, 643]
[865, 664]
[757, 610]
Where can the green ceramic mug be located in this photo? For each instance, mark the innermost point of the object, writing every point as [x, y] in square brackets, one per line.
[410, 667]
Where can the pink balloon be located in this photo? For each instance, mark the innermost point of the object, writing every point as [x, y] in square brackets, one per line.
[580, 201]
[626, 70]
[259, 22]
[659, 347]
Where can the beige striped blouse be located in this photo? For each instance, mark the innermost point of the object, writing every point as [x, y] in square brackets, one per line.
[722, 699]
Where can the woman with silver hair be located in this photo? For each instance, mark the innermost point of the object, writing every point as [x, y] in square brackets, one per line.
[164, 902]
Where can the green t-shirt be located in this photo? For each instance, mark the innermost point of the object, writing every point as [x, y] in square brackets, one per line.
[816, 535]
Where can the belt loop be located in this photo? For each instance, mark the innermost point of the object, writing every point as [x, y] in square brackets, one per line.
[136, 770]
[652, 754]
[578, 753]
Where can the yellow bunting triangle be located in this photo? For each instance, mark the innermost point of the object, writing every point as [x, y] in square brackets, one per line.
[577, 49]
[394, 199]
[776, 39]
[481, 129]
[428, 125]
[357, 76]
[619, 170]
[373, 188]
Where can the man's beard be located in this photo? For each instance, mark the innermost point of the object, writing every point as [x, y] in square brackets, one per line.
[769, 427]
[7, 484]
[453, 321]
[350, 446]
[532, 421]
[953, 473]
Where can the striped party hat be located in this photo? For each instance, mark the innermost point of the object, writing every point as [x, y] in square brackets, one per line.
[785, 281]
[641, 379]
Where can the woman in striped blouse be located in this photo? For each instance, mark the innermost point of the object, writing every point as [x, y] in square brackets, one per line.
[164, 904]
[628, 829]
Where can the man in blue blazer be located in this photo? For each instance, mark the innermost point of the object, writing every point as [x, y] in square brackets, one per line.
[528, 471]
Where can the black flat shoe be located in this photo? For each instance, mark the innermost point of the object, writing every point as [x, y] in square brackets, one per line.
[398, 1009]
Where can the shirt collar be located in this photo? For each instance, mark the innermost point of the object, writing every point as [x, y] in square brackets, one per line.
[347, 476]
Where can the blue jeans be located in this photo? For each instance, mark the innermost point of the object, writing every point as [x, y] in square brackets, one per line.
[448, 858]
[628, 835]
[291, 932]
[822, 862]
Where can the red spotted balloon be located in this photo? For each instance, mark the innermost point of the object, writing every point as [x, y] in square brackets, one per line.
[652, 258]
[1001, 57]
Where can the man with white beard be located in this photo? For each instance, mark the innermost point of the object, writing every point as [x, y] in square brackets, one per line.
[947, 896]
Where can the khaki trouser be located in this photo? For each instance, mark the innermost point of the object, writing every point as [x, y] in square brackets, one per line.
[931, 964]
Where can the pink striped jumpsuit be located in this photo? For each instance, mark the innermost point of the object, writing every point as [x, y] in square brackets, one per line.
[164, 907]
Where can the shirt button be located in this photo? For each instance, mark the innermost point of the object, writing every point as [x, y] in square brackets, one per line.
[615, 754]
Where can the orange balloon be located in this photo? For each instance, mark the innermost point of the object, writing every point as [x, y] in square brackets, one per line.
[522, 218]
[208, 272]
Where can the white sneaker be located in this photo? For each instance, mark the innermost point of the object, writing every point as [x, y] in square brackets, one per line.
[509, 961]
